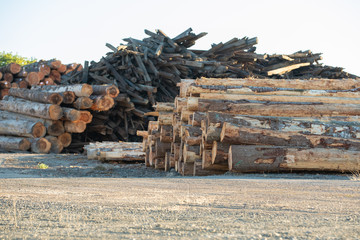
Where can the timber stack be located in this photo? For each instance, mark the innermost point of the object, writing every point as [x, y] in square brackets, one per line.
[38, 73]
[147, 71]
[44, 118]
[257, 125]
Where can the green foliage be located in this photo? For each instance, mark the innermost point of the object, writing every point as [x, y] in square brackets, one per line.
[42, 166]
[6, 58]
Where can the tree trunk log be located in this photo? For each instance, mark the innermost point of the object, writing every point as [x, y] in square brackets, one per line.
[65, 139]
[166, 133]
[234, 134]
[280, 98]
[219, 153]
[80, 90]
[56, 146]
[68, 97]
[85, 116]
[14, 143]
[74, 127]
[109, 90]
[208, 165]
[36, 96]
[22, 128]
[101, 103]
[40, 145]
[48, 111]
[83, 103]
[71, 114]
[12, 68]
[275, 109]
[316, 84]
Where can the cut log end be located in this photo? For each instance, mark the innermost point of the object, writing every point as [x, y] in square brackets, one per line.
[38, 130]
[65, 139]
[55, 112]
[55, 98]
[40, 145]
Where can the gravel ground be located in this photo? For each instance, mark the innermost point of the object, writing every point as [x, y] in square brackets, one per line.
[80, 199]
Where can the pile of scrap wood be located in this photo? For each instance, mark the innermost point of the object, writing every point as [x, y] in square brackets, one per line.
[257, 125]
[44, 118]
[147, 71]
[115, 151]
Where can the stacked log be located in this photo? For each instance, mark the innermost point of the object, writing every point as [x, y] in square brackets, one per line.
[42, 117]
[147, 71]
[258, 125]
[38, 73]
[115, 151]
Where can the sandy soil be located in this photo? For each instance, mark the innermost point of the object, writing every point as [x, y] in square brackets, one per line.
[75, 198]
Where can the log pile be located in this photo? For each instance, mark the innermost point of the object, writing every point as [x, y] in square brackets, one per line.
[44, 118]
[39, 73]
[257, 125]
[147, 71]
[115, 151]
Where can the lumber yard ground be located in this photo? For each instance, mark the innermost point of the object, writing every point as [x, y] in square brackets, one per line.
[76, 198]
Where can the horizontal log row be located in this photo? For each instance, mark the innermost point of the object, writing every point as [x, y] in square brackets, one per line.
[44, 118]
[38, 73]
[268, 126]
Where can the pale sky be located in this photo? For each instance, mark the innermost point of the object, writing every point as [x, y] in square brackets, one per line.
[77, 30]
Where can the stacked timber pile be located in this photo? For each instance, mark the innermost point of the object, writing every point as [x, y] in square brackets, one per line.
[147, 71]
[39, 73]
[258, 125]
[45, 117]
[115, 151]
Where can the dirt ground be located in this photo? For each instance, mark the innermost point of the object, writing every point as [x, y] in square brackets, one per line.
[80, 199]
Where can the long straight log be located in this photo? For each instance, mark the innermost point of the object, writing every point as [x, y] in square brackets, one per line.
[315, 84]
[234, 134]
[196, 90]
[53, 127]
[14, 143]
[280, 98]
[80, 90]
[344, 127]
[36, 96]
[274, 109]
[48, 111]
[22, 128]
[273, 159]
